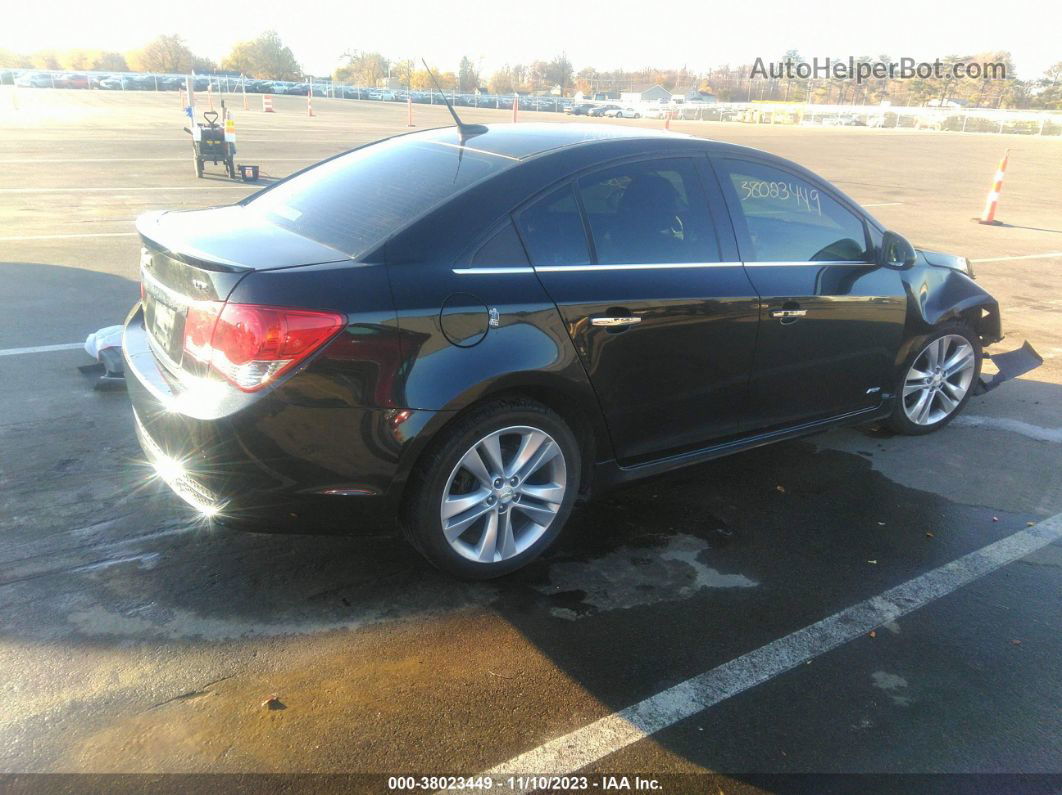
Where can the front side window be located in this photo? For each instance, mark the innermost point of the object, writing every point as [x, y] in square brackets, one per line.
[649, 212]
[553, 232]
[791, 220]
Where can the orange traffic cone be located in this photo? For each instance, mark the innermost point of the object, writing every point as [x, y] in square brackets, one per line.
[667, 120]
[309, 103]
[516, 105]
[267, 103]
[409, 109]
[988, 215]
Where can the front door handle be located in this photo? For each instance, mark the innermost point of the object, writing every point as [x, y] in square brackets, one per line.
[614, 322]
[784, 314]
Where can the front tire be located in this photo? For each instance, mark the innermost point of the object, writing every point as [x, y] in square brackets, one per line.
[494, 492]
[937, 380]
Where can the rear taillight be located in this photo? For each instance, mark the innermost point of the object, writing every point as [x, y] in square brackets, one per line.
[251, 345]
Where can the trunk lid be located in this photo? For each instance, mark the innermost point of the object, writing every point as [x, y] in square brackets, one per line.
[201, 255]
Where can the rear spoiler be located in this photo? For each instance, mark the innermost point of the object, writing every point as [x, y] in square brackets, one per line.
[153, 234]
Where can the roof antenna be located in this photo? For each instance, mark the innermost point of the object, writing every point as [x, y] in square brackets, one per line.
[466, 130]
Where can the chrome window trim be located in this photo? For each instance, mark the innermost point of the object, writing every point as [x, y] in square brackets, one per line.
[494, 270]
[807, 262]
[488, 270]
[636, 266]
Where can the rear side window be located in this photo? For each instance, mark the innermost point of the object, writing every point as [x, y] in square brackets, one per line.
[653, 211]
[503, 248]
[355, 201]
[791, 220]
[552, 229]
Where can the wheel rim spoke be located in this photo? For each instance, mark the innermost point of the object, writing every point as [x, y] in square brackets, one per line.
[459, 525]
[473, 462]
[954, 390]
[538, 514]
[491, 451]
[506, 539]
[529, 445]
[922, 405]
[946, 401]
[545, 453]
[959, 361]
[488, 542]
[548, 492]
[452, 506]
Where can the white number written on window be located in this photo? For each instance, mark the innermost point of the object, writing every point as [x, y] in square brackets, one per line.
[804, 199]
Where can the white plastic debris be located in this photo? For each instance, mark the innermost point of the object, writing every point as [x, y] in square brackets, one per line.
[109, 337]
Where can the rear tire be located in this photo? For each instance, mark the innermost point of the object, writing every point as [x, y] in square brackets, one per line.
[937, 380]
[494, 491]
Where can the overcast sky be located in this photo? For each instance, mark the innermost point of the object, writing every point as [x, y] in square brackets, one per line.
[696, 33]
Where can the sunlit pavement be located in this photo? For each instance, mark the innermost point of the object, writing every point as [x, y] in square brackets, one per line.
[134, 639]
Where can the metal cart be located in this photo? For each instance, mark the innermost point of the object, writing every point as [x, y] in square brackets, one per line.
[209, 142]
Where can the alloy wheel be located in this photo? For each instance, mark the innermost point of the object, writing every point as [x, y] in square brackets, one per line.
[503, 494]
[939, 379]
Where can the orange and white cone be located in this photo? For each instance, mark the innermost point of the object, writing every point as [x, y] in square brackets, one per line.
[988, 215]
[309, 103]
[667, 120]
[516, 105]
[267, 103]
[409, 108]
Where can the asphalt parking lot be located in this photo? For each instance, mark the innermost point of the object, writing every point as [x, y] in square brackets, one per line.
[853, 602]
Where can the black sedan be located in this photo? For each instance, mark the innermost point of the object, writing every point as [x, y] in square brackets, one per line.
[579, 109]
[462, 332]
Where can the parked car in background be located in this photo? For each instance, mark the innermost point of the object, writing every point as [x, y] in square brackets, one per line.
[34, 80]
[579, 109]
[463, 337]
[623, 113]
[72, 80]
[601, 110]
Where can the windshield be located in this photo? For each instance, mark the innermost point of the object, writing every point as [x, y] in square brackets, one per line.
[354, 202]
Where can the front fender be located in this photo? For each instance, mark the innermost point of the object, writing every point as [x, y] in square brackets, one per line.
[942, 295]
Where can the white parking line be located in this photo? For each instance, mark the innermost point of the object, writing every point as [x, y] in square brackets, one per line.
[125, 190]
[145, 160]
[65, 237]
[1048, 255]
[576, 750]
[66, 346]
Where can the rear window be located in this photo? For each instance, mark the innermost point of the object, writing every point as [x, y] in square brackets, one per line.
[354, 202]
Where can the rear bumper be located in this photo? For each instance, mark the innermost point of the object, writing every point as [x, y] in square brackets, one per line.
[287, 460]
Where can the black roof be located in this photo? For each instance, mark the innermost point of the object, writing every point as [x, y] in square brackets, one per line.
[524, 141]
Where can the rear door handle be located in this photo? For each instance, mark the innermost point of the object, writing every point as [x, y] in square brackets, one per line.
[614, 322]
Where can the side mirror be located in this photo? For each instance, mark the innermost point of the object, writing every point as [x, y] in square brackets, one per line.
[896, 252]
